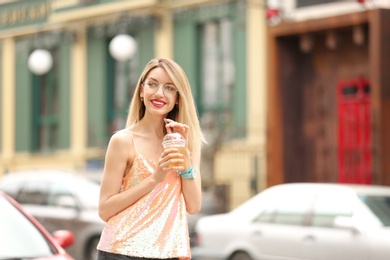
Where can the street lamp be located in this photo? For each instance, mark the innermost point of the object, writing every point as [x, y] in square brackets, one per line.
[122, 47]
[40, 61]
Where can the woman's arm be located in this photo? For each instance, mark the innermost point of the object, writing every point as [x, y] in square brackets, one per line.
[192, 188]
[118, 156]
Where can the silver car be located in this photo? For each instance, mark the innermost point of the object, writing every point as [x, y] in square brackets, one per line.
[309, 221]
[60, 200]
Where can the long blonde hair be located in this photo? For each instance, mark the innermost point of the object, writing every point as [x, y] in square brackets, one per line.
[184, 112]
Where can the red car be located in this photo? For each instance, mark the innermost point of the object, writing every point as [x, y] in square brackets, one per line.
[23, 237]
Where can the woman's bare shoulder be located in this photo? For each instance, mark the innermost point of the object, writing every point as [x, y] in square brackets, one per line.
[121, 142]
[123, 136]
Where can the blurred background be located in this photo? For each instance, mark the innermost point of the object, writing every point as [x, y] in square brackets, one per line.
[286, 90]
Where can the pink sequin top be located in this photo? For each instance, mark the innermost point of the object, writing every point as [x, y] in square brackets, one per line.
[153, 227]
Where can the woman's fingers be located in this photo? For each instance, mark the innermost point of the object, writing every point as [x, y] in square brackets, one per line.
[168, 127]
[173, 126]
[171, 160]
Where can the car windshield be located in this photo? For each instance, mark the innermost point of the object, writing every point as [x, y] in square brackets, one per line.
[19, 238]
[380, 206]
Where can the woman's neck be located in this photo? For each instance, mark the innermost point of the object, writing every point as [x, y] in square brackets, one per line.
[151, 126]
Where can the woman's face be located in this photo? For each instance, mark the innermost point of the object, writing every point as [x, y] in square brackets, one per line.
[159, 92]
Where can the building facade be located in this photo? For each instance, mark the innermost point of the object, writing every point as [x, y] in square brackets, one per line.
[328, 94]
[65, 117]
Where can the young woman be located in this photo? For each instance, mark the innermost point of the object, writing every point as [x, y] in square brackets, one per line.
[143, 200]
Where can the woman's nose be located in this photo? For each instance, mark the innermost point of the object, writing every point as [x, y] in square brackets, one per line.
[160, 90]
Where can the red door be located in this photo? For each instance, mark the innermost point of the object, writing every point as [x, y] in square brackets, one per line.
[354, 131]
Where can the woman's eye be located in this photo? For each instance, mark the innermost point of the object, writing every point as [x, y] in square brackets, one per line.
[170, 89]
[152, 85]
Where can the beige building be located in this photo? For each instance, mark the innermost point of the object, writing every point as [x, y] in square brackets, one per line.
[64, 117]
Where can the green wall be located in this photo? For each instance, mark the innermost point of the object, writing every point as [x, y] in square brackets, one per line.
[23, 104]
[240, 87]
[145, 38]
[186, 53]
[96, 91]
[64, 95]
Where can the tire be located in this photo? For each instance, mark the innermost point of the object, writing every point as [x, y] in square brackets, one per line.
[240, 256]
[91, 251]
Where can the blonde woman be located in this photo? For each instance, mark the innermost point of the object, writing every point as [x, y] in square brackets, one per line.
[143, 200]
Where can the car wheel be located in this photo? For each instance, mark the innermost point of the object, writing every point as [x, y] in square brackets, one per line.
[91, 251]
[240, 256]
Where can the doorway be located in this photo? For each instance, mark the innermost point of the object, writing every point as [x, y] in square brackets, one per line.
[354, 131]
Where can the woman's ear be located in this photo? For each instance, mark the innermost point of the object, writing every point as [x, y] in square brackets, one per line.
[141, 91]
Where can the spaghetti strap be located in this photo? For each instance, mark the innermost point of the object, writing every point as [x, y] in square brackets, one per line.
[135, 146]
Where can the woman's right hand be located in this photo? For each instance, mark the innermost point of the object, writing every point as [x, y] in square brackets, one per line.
[164, 165]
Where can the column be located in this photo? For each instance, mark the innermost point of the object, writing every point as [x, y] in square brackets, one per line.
[78, 99]
[8, 103]
[164, 36]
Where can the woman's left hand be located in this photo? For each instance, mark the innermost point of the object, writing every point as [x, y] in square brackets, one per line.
[176, 127]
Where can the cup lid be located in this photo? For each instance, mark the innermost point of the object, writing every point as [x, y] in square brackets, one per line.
[173, 136]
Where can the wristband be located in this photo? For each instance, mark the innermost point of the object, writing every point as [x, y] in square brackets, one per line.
[189, 174]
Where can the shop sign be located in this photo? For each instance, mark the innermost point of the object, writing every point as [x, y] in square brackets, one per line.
[23, 13]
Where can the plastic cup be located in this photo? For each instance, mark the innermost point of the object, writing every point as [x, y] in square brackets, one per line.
[175, 140]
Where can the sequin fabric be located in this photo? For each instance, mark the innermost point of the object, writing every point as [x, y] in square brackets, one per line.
[153, 227]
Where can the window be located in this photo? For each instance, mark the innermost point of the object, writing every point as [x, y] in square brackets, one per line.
[46, 109]
[267, 215]
[303, 3]
[19, 236]
[59, 191]
[12, 188]
[217, 71]
[33, 193]
[380, 206]
[287, 208]
[329, 206]
[293, 210]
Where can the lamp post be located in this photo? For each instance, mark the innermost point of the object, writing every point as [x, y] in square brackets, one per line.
[40, 61]
[122, 47]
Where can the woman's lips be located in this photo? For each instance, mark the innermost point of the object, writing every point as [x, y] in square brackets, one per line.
[158, 103]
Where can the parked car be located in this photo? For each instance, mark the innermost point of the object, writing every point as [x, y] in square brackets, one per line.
[60, 200]
[209, 207]
[23, 237]
[309, 221]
